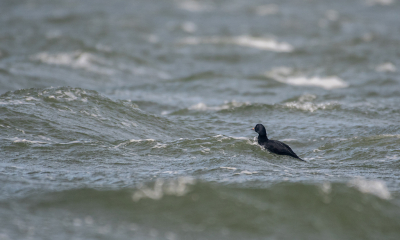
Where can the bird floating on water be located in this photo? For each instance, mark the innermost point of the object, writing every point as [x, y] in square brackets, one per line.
[273, 146]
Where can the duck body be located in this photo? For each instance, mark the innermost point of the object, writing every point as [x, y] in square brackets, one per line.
[273, 146]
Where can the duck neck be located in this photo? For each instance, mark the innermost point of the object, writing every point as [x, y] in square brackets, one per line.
[262, 138]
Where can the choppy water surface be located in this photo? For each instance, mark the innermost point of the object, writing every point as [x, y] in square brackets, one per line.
[131, 119]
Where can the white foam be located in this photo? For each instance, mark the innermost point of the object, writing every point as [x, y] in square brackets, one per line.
[16, 102]
[129, 124]
[229, 168]
[229, 105]
[287, 75]
[142, 140]
[394, 157]
[332, 15]
[205, 149]
[159, 145]
[323, 82]
[267, 44]
[193, 6]
[379, 2]
[69, 95]
[31, 99]
[77, 59]
[245, 172]
[189, 27]
[19, 140]
[134, 141]
[326, 187]
[309, 106]
[386, 67]
[240, 138]
[375, 187]
[263, 44]
[288, 139]
[305, 103]
[383, 136]
[42, 137]
[178, 187]
[72, 142]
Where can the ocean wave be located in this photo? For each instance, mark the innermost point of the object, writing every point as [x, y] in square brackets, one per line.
[178, 187]
[73, 114]
[302, 103]
[194, 6]
[96, 63]
[305, 103]
[267, 44]
[127, 143]
[187, 147]
[194, 207]
[378, 148]
[379, 2]
[226, 106]
[309, 106]
[77, 59]
[375, 187]
[25, 141]
[289, 76]
[386, 67]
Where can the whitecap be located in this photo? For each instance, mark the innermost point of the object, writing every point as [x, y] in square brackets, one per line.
[31, 99]
[374, 187]
[379, 2]
[384, 136]
[240, 138]
[189, 27]
[228, 168]
[393, 157]
[123, 144]
[19, 140]
[200, 106]
[228, 105]
[178, 187]
[309, 106]
[386, 67]
[323, 82]
[332, 15]
[73, 142]
[71, 96]
[305, 103]
[205, 149]
[77, 59]
[326, 187]
[267, 44]
[129, 124]
[159, 145]
[288, 76]
[288, 139]
[16, 102]
[152, 38]
[245, 172]
[193, 6]
[142, 140]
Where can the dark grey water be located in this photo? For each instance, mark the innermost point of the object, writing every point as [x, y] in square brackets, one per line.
[131, 119]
